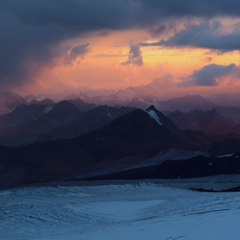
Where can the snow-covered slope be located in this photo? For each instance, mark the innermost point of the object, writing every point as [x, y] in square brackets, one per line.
[153, 115]
[122, 210]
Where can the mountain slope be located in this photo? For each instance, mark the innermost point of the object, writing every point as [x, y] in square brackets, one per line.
[186, 104]
[134, 137]
[27, 122]
[91, 120]
[210, 122]
[138, 140]
[63, 120]
[81, 105]
[22, 115]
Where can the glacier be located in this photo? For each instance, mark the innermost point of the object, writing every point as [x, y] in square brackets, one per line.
[151, 209]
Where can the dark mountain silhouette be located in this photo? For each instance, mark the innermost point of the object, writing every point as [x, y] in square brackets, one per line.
[63, 120]
[200, 166]
[210, 122]
[93, 119]
[143, 96]
[186, 104]
[46, 101]
[225, 147]
[140, 143]
[232, 113]
[22, 115]
[134, 137]
[81, 105]
[27, 122]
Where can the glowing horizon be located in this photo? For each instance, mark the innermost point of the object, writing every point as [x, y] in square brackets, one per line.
[102, 67]
[131, 44]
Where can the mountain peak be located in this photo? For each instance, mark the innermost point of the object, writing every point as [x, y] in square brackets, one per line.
[161, 119]
[153, 113]
[152, 107]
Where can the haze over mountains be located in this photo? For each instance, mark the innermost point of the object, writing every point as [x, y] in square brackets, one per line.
[210, 122]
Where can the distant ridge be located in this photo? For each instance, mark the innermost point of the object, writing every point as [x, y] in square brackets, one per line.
[210, 122]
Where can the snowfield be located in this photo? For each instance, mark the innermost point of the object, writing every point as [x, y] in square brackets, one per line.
[162, 210]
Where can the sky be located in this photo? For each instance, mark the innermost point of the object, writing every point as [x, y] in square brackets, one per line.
[52, 46]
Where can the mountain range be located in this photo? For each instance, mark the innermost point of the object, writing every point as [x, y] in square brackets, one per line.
[67, 119]
[84, 139]
[144, 142]
[9, 101]
[210, 122]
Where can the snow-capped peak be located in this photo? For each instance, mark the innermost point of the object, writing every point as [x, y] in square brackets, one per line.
[40, 98]
[48, 109]
[154, 115]
[227, 155]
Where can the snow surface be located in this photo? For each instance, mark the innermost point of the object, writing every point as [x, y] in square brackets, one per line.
[40, 98]
[48, 109]
[153, 115]
[119, 210]
[227, 155]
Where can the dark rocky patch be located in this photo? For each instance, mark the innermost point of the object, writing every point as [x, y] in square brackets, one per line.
[234, 189]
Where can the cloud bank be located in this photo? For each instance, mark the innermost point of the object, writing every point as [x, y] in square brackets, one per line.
[210, 74]
[205, 35]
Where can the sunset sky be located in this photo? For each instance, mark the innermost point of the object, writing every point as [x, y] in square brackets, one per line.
[51, 46]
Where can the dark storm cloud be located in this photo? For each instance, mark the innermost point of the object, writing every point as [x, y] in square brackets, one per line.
[134, 56]
[163, 28]
[209, 75]
[192, 8]
[32, 30]
[204, 35]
